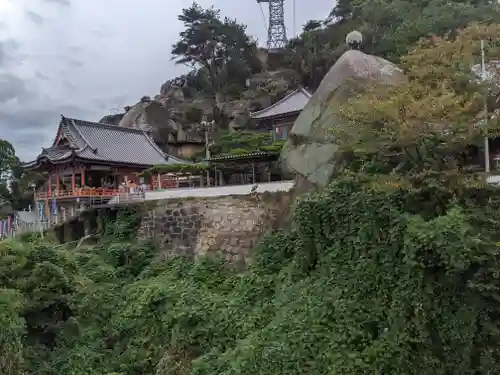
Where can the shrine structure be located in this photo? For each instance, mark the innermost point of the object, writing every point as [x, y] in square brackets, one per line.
[280, 116]
[90, 163]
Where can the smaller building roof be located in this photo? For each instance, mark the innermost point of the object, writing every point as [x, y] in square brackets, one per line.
[290, 104]
[103, 143]
[247, 156]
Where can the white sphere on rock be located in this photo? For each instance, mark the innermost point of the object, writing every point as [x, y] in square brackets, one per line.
[354, 39]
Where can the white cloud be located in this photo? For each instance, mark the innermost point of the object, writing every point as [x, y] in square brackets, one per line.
[85, 57]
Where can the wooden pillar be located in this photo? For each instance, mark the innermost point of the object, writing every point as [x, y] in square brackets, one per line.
[50, 184]
[73, 181]
[47, 210]
[57, 182]
[83, 176]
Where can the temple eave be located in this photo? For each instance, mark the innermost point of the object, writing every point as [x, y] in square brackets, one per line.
[281, 116]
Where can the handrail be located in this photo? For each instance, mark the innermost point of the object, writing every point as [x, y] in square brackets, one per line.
[79, 192]
[158, 182]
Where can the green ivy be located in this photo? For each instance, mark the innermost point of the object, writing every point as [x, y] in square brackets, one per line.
[370, 280]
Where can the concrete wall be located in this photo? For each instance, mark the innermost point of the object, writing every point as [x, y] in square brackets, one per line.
[230, 226]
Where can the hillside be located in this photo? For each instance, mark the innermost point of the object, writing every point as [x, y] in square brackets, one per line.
[392, 268]
[343, 293]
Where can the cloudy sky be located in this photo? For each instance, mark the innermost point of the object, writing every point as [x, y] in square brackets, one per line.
[89, 58]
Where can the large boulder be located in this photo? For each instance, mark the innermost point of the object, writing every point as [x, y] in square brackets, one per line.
[310, 152]
[149, 115]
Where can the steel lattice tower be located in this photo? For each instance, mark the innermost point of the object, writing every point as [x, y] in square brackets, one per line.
[276, 32]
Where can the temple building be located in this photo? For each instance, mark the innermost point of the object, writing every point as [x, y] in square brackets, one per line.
[90, 163]
[280, 116]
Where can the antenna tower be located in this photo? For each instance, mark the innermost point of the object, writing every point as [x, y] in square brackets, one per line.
[276, 31]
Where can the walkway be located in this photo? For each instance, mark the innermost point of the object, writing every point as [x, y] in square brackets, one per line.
[218, 191]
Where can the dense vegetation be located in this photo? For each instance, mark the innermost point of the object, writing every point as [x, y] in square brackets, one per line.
[378, 276]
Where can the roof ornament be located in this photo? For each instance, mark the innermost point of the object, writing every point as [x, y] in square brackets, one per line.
[354, 39]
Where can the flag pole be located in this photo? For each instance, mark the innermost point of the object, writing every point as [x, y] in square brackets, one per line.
[486, 141]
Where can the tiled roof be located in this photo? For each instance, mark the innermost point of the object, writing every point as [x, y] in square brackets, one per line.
[105, 143]
[293, 102]
[250, 155]
[57, 152]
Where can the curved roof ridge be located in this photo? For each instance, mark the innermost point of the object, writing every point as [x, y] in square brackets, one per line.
[63, 131]
[85, 139]
[54, 148]
[153, 143]
[110, 126]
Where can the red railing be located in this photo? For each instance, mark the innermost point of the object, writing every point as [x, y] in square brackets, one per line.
[81, 192]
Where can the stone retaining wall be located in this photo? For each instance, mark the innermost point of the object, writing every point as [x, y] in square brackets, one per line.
[230, 226]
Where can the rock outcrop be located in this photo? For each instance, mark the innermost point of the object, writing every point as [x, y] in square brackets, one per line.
[145, 114]
[174, 114]
[310, 152]
[164, 123]
[148, 115]
[112, 119]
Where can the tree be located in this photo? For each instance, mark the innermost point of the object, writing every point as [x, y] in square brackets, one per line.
[7, 157]
[8, 161]
[15, 183]
[390, 27]
[427, 122]
[312, 25]
[313, 53]
[219, 49]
